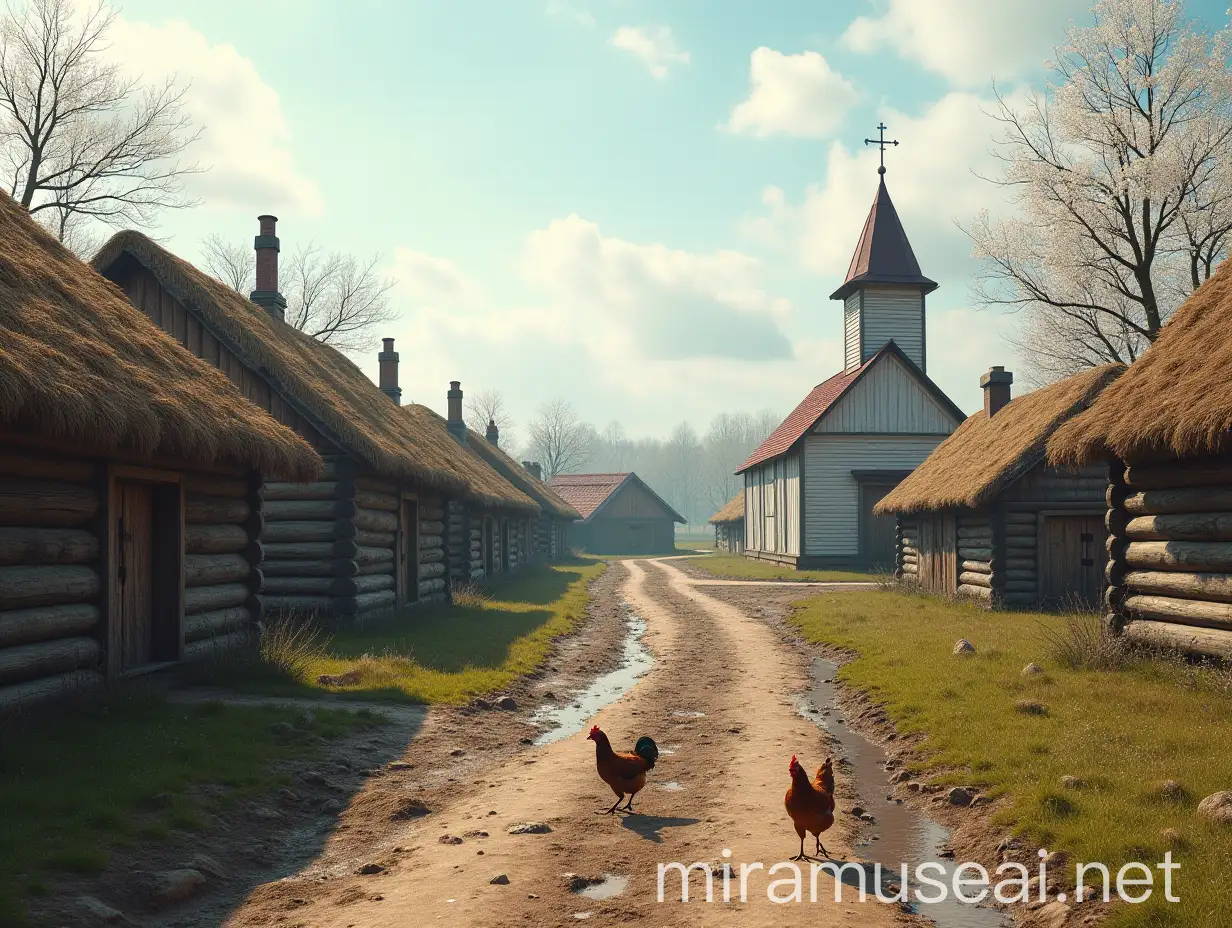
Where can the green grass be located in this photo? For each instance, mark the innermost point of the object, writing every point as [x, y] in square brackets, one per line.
[695, 543]
[1122, 732]
[733, 565]
[452, 654]
[74, 787]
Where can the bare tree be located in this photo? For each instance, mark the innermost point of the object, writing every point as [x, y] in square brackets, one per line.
[334, 297]
[484, 406]
[77, 137]
[615, 445]
[560, 440]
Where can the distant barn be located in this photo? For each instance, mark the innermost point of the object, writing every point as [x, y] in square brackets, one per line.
[1165, 430]
[620, 514]
[728, 525]
[985, 515]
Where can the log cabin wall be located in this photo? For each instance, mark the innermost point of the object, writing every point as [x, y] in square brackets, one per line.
[1170, 554]
[458, 540]
[907, 545]
[433, 570]
[976, 560]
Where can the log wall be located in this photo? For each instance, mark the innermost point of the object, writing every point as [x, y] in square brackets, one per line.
[907, 544]
[435, 532]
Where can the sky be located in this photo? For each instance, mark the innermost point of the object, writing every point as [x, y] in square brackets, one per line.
[640, 207]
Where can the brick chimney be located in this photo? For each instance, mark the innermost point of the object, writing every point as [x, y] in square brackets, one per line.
[996, 384]
[493, 433]
[533, 468]
[457, 427]
[389, 371]
[266, 295]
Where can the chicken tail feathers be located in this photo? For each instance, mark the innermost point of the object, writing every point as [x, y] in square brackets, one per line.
[647, 750]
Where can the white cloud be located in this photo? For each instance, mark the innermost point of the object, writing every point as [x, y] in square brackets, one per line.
[798, 95]
[654, 45]
[570, 11]
[969, 42]
[246, 138]
[425, 278]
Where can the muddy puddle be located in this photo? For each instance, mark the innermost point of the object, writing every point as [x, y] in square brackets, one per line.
[607, 887]
[901, 834]
[567, 720]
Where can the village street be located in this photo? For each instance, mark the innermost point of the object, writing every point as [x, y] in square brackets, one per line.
[721, 703]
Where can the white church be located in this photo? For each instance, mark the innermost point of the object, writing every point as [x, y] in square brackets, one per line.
[810, 488]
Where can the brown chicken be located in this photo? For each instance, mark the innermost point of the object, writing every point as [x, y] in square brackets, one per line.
[624, 773]
[810, 803]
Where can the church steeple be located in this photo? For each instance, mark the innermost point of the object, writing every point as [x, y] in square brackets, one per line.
[883, 295]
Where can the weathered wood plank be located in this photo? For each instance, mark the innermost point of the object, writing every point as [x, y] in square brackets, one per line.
[1198, 556]
[374, 520]
[374, 499]
[366, 555]
[1182, 611]
[47, 546]
[28, 661]
[295, 510]
[978, 592]
[22, 587]
[978, 567]
[216, 622]
[214, 539]
[428, 571]
[373, 583]
[311, 550]
[431, 528]
[1215, 587]
[307, 531]
[375, 539]
[368, 602]
[1166, 502]
[23, 626]
[45, 504]
[209, 598]
[974, 578]
[209, 569]
[341, 567]
[966, 553]
[46, 689]
[324, 489]
[1210, 526]
[1189, 638]
[215, 510]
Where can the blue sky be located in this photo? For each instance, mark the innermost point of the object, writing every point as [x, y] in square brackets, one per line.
[639, 206]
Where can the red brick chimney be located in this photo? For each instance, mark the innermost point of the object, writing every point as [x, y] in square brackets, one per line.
[996, 384]
[493, 433]
[389, 371]
[457, 427]
[266, 244]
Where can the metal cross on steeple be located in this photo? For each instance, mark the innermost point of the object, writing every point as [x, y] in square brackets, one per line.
[881, 143]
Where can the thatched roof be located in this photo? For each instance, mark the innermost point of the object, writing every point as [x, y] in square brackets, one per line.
[347, 406]
[985, 455]
[483, 484]
[79, 363]
[1174, 400]
[511, 470]
[733, 511]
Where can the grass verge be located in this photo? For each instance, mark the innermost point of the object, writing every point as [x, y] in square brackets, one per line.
[1121, 732]
[735, 567]
[450, 654]
[127, 769]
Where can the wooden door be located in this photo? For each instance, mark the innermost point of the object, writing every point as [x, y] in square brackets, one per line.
[1072, 560]
[408, 573]
[877, 532]
[938, 553]
[133, 574]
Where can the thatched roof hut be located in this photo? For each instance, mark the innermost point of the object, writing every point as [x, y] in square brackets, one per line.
[1163, 431]
[985, 515]
[732, 511]
[621, 514]
[728, 525]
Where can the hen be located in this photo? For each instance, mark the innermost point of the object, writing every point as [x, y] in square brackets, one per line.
[624, 773]
[810, 803]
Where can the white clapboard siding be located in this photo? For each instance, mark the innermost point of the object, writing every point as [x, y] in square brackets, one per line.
[772, 506]
[888, 398]
[897, 314]
[832, 496]
[851, 332]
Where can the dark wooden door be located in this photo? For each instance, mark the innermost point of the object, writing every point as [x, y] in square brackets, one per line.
[133, 573]
[877, 533]
[938, 553]
[408, 574]
[1072, 559]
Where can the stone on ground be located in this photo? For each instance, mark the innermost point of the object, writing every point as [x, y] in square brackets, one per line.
[963, 646]
[1217, 808]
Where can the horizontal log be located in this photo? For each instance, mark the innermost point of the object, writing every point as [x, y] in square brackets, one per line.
[377, 485]
[1166, 502]
[209, 569]
[431, 541]
[1198, 556]
[340, 567]
[1211, 526]
[1213, 587]
[377, 567]
[1018, 599]
[367, 555]
[281, 605]
[431, 528]
[29, 661]
[910, 569]
[977, 592]
[215, 510]
[428, 571]
[375, 539]
[374, 520]
[45, 504]
[316, 586]
[22, 587]
[367, 602]
[1182, 611]
[427, 587]
[215, 485]
[45, 689]
[966, 553]
[1196, 472]
[312, 510]
[973, 578]
[310, 550]
[46, 467]
[216, 622]
[23, 626]
[373, 583]
[321, 489]
[1019, 573]
[1188, 638]
[47, 546]
[909, 559]
[1021, 542]
[1093, 506]
[433, 513]
[431, 555]
[911, 549]
[320, 530]
[1021, 586]
[216, 644]
[374, 499]
[1016, 530]
[973, 537]
[1020, 563]
[1021, 518]
[214, 539]
[477, 573]
[209, 598]
[978, 567]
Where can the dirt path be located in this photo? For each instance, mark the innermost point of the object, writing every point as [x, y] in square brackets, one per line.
[719, 701]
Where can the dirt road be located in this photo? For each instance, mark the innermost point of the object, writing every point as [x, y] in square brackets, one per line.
[720, 703]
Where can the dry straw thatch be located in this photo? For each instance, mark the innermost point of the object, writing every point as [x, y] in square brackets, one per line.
[985, 455]
[733, 511]
[79, 363]
[484, 485]
[1174, 400]
[331, 388]
[548, 499]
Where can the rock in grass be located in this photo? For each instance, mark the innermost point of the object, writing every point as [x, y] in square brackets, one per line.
[209, 866]
[1069, 782]
[508, 703]
[1032, 669]
[1030, 707]
[963, 646]
[282, 729]
[1053, 915]
[1217, 808]
[350, 678]
[1172, 791]
[171, 886]
[528, 828]
[370, 869]
[501, 879]
[1173, 837]
[959, 797]
[98, 910]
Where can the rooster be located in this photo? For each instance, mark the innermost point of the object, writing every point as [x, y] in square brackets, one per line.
[624, 773]
[810, 803]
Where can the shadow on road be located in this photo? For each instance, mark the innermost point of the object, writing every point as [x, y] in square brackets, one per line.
[650, 827]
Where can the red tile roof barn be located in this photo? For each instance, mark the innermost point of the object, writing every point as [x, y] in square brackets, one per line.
[587, 493]
[883, 255]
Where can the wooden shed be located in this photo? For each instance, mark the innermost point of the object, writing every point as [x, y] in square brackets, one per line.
[119, 453]
[345, 545]
[1163, 431]
[728, 525]
[986, 515]
[620, 514]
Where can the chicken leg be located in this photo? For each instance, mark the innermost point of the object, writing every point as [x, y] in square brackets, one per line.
[821, 849]
[801, 855]
[619, 799]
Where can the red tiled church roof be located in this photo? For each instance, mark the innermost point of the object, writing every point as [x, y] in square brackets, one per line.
[586, 492]
[820, 398]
